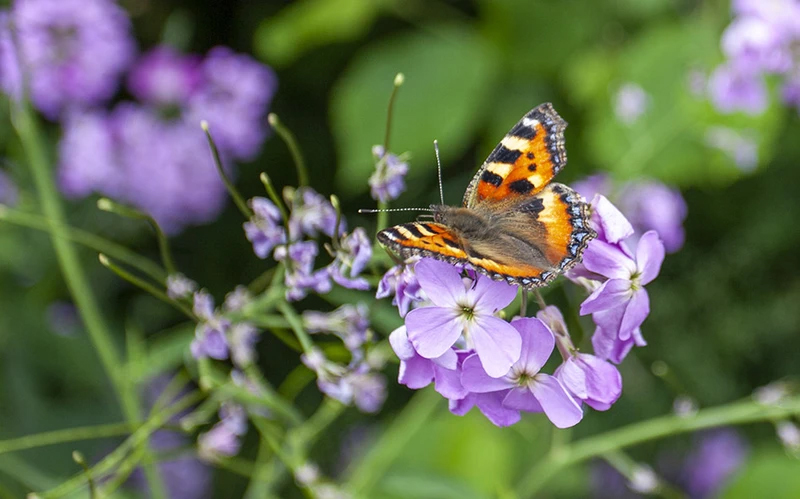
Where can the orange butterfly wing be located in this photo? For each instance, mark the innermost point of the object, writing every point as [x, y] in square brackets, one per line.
[424, 239]
[524, 162]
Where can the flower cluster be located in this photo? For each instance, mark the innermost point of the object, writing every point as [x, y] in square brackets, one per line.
[760, 41]
[151, 153]
[310, 215]
[647, 204]
[224, 438]
[387, 182]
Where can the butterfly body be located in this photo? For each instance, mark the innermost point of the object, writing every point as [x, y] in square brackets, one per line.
[514, 225]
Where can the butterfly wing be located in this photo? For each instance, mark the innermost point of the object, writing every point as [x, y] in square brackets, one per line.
[536, 239]
[524, 162]
[431, 240]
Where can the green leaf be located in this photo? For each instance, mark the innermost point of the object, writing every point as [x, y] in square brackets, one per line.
[308, 24]
[449, 72]
[670, 140]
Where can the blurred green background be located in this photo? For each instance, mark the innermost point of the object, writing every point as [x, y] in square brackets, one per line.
[725, 316]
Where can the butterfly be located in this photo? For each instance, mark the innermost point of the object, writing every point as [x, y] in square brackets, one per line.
[514, 225]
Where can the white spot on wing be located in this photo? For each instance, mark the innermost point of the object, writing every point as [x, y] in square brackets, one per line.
[501, 169]
[529, 122]
[515, 143]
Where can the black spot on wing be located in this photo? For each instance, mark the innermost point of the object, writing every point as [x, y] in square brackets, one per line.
[451, 243]
[532, 167]
[521, 186]
[534, 206]
[501, 154]
[530, 155]
[523, 131]
[492, 178]
[393, 234]
[429, 228]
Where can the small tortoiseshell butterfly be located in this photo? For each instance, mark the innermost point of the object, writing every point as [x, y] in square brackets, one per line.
[515, 225]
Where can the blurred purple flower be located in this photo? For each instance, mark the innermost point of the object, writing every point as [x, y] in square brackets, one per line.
[164, 77]
[651, 205]
[348, 322]
[418, 372]
[210, 334]
[354, 384]
[368, 387]
[401, 281]
[311, 214]
[234, 97]
[754, 44]
[237, 299]
[388, 180]
[9, 195]
[264, 228]
[714, 459]
[530, 390]
[463, 309]
[179, 286]
[598, 183]
[742, 149]
[630, 103]
[224, 438]
[300, 274]
[243, 337]
[732, 89]
[74, 52]
[351, 258]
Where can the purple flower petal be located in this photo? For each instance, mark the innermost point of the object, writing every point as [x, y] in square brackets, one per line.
[611, 223]
[591, 379]
[490, 296]
[448, 382]
[432, 330]
[537, 343]
[521, 399]
[460, 407]
[402, 347]
[559, 406]
[448, 360]
[608, 260]
[475, 379]
[491, 405]
[635, 313]
[441, 282]
[649, 256]
[610, 294]
[496, 342]
[415, 372]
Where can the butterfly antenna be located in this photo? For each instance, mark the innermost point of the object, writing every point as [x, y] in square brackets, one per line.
[439, 166]
[394, 209]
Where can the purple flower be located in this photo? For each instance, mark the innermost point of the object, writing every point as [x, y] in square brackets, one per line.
[418, 372]
[300, 274]
[311, 214]
[264, 228]
[73, 50]
[9, 195]
[368, 388]
[754, 44]
[234, 98]
[351, 257]
[715, 458]
[589, 186]
[591, 380]
[467, 309]
[401, 281]
[243, 337]
[224, 438]
[387, 182]
[620, 304]
[348, 322]
[352, 384]
[732, 89]
[179, 286]
[210, 334]
[490, 404]
[651, 205]
[630, 103]
[163, 77]
[524, 387]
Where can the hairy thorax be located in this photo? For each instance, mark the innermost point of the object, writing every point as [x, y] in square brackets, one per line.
[467, 223]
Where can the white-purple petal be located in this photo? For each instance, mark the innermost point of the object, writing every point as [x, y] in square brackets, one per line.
[611, 294]
[635, 313]
[537, 343]
[441, 282]
[401, 345]
[649, 256]
[415, 373]
[557, 404]
[433, 330]
[475, 379]
[491, 405]
[448, 382]
[608, 260]
[490, 296]
[611, 224]
[521, 399]
[496, 342]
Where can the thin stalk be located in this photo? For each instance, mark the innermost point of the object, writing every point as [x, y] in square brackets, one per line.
[27, 129]
[273, 195]
[296, 323]
[66, 435]
[237, 198]
[291, 143]
[145, 286]
[87, 239]
[398, 82]
[747, 411]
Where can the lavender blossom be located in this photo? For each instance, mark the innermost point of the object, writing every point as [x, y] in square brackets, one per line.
[210, 334]
[237, 299]
[351, 258]
[387, 182]
[224, 438]
[401, 282]
[525, 388]
[714, 459]
[311, 214]
[463, 309]
[732, 89]
[651, 205]
[630, 103]
[418, 372]
[243, 337]
[300, 274]
[163, 77]
[179, 286]
[74, 52]
[348, 322]
[264, 228]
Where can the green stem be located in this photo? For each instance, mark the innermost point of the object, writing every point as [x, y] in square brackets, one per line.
[296, 323]
[747, 411]
[237, 198]
[367, 471]
[65, 435]
[145, 286]
[27, 129]
[398, 81]
[273, 195]
[95, 242]
[291, 143]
